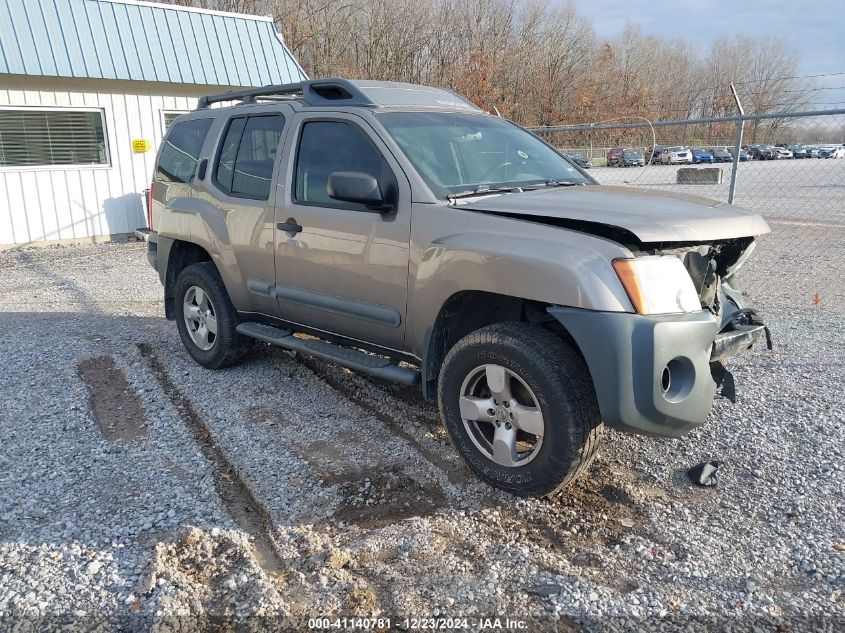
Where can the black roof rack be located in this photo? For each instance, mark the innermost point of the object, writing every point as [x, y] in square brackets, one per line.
[314, 92]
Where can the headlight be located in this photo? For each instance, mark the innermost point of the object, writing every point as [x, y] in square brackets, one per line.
[657, 285]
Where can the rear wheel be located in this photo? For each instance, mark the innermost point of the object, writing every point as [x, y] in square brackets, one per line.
[519, 405]
[206, 318]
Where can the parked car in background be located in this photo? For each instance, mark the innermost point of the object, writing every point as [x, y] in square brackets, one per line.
[743, 154]
[614, 156]
[762, 152]
[653, 154]
[632, 158]
[721, 155]
[676, 155]
[579, 160]
[832, 151]
[783, 152]
[813, 150]
[701, 156]
[799, 151]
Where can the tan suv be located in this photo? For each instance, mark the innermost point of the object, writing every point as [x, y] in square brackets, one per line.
[401, 232]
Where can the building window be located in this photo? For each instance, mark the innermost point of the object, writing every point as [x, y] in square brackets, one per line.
[168, 117]
[37, 138]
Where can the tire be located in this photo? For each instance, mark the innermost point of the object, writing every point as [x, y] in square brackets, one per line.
[547, 370]
[225, 347]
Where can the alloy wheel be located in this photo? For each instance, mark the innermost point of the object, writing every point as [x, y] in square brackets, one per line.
[200, 318]
[501, 415]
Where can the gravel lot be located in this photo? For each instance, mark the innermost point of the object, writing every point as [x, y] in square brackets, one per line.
[136, 485]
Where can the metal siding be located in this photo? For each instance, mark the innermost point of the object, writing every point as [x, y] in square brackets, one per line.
[230, 69]
[41, 36]
[195, 56]
[130, 51]
[180, 53]
[266, 58]
[5, 36]
[18, 216]
[80, 41]
[250, 54]
[282, 58]
[261, 61]
[166, 42]
[22, 36]
[56, 34]
[61, 204]
[235, 51]
[147, 42]
[114, 46]
[109, 39]
[101, 50]
[209, 41]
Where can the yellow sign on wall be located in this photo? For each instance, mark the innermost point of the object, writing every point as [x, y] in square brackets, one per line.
[140, 145]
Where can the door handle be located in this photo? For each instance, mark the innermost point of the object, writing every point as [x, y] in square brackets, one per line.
[289, 226]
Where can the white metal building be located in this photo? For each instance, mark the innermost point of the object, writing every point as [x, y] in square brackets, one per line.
[87, 88]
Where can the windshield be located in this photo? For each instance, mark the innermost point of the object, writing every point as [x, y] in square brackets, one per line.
[676, 149]
[632, 154]
[455, 153]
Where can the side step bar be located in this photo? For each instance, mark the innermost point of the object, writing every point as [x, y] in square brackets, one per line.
[344, 356]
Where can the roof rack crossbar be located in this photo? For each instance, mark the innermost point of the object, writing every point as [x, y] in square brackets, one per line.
[315, 92]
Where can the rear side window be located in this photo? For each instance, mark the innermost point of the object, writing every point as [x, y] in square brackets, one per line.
[245, 162]
[225, 168]
[329, 146]
[180, 153]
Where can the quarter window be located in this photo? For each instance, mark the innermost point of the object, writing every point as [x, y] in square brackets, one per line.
[32, 137]
[179, 156]
[329, 146]
[245, 163]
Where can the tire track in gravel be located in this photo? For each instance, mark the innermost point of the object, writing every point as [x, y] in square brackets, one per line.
[457, 473]
[242, 505]
[115, 406]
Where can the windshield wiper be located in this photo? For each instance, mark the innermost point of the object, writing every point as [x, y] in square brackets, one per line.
[483, 190]
[560, 183]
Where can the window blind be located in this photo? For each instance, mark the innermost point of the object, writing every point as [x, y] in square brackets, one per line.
[170, 117]
[51, 137]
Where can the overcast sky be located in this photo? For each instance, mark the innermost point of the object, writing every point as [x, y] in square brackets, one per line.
[815, 28]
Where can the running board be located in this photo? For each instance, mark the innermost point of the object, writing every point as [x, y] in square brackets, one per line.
[344, 356]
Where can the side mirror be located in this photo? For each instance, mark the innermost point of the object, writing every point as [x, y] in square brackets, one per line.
[358, 187]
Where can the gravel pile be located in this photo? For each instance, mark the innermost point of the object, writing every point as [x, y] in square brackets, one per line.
[362, 506]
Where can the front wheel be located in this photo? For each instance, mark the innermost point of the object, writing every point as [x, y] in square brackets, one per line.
[206, 318]
[519, 405]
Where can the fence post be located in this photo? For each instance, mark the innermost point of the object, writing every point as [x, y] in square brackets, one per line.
[740, 127]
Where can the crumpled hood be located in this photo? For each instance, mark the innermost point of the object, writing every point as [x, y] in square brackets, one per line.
[650, 214]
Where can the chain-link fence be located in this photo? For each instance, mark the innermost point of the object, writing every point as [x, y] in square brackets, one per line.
[784, 165]
[789, 167]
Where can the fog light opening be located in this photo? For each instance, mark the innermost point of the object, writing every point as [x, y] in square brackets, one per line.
[665, 380]
[677, 379]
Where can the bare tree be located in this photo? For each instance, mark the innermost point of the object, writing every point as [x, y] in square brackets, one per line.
[534, 61]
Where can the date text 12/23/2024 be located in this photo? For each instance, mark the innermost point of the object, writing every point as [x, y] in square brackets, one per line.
[416, 624]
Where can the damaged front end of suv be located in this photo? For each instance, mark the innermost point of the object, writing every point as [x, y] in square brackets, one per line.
[657, 371]
[657, 363]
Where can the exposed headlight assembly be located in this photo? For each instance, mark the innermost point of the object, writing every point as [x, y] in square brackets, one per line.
[657, 285]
